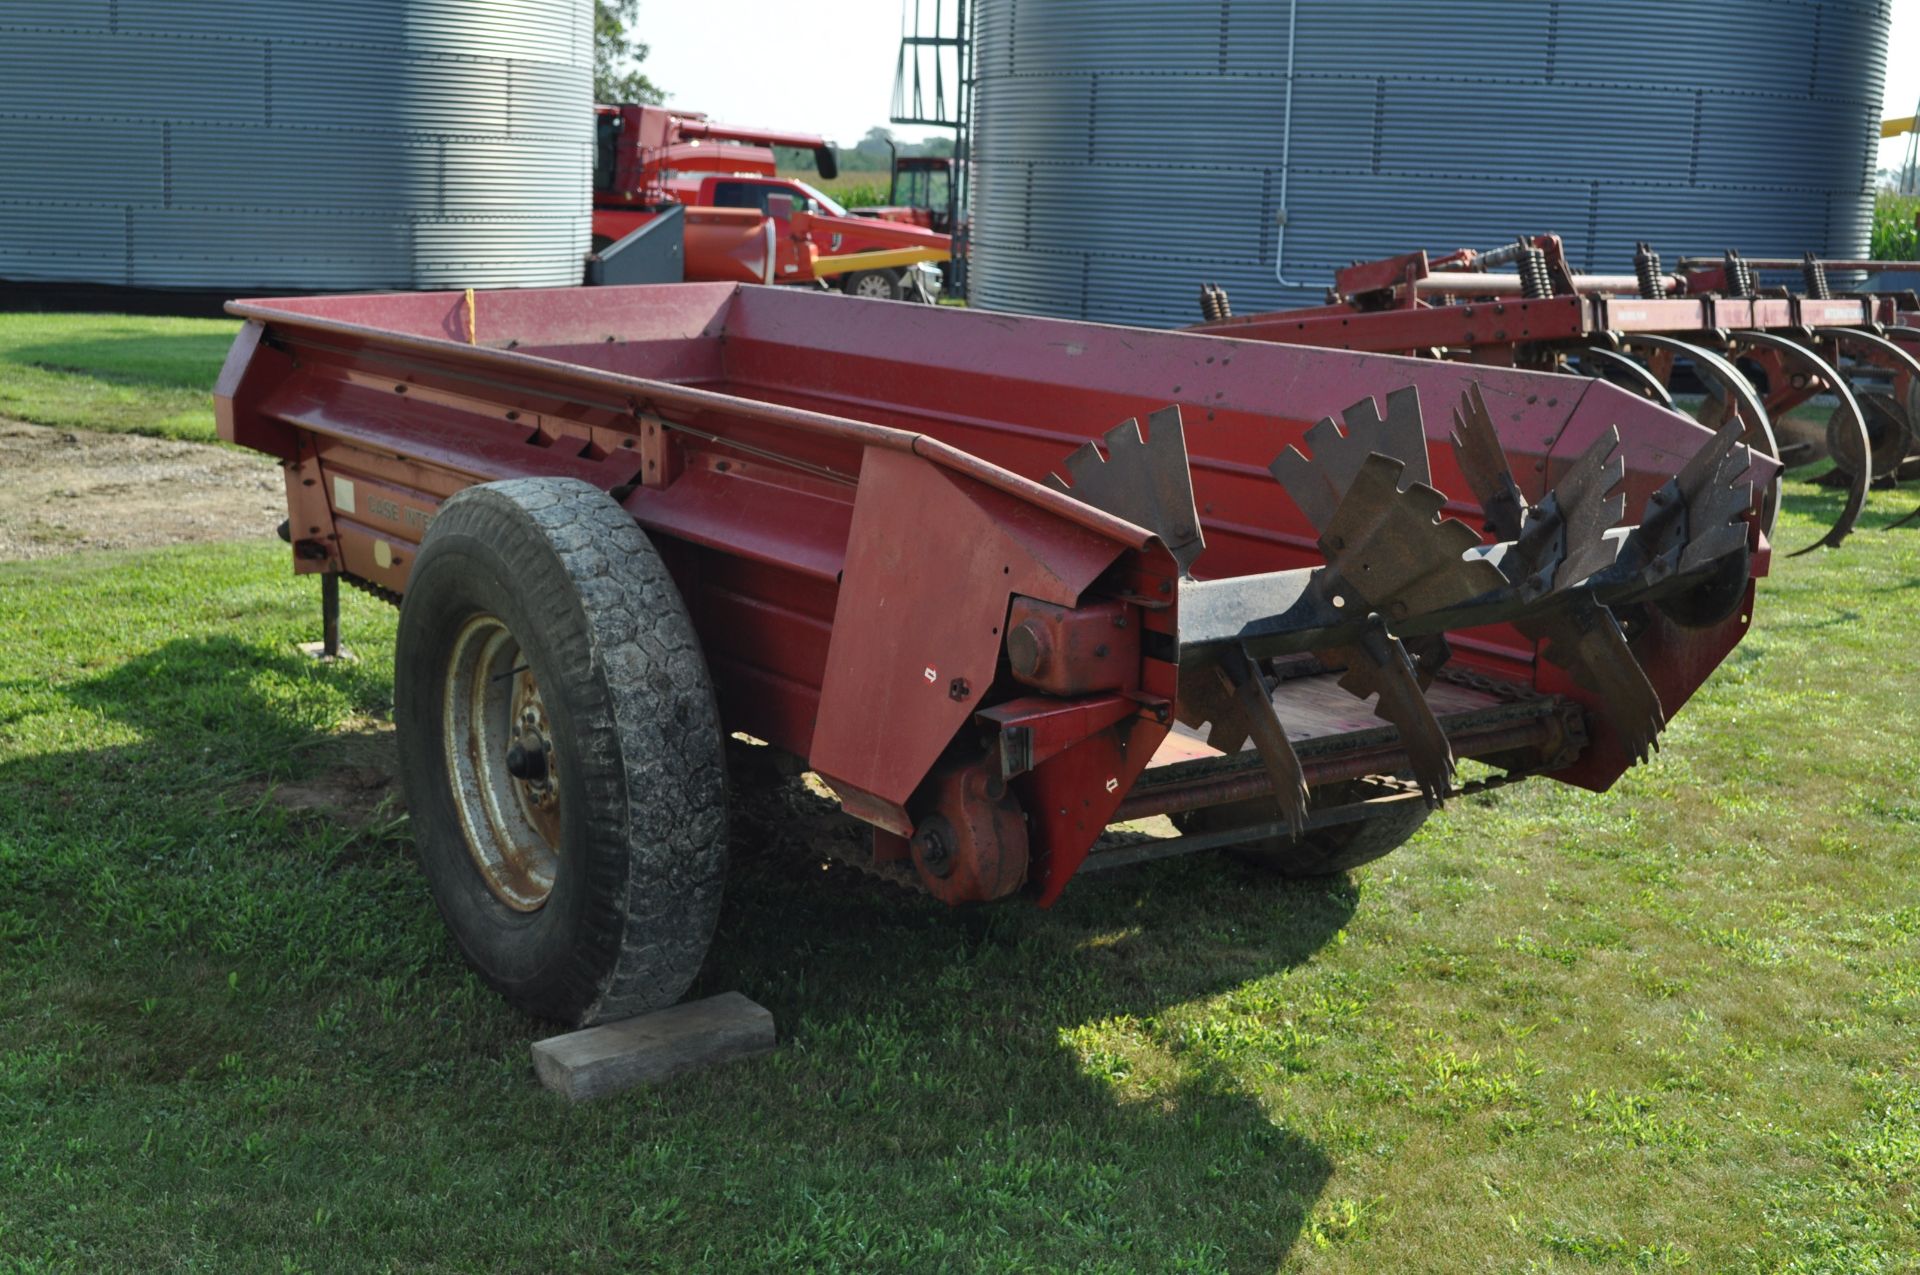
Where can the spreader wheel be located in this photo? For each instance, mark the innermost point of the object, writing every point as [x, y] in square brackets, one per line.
[561, 751]
[1318, 852]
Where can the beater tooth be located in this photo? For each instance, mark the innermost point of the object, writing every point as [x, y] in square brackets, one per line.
[1316, 489]
[1205, 702]
[1399, 434]
[1389, 547]
[1378, 516]
[1078, 461]
[1591, 503]
[1563, 538]
[1585, 639]
[1695, 517]
[1235, 696]
[1483, 462]
[1143, 480]
[1380, 665]
[1319, 484]
[1562, 543]
[1398, 565]
[1717, 501]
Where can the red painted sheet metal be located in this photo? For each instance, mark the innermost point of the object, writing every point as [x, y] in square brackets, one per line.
[933, 560]
[528, 317]
[1407, 330]
[1073, 796]
[762, 520]
[512, 373]
[1027, 402]
[754, 520]
[764, 633]
[1031, 390]
[479, 449]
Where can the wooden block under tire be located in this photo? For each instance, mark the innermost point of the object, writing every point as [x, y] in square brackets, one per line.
[601, 1060]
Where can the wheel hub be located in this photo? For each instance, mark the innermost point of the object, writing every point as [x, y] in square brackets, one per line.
[502, 766]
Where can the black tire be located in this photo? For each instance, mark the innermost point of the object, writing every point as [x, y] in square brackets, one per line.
[1323, 852]
[597, 638]
[878, 285]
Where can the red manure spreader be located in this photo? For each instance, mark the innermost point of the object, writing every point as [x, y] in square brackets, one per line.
[1000, 582]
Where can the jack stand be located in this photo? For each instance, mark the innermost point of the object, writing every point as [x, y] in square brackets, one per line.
[328, 649]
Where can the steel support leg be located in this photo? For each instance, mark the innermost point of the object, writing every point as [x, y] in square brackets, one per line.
[330, 616]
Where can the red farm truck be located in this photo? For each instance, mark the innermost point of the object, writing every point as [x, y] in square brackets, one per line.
[648, 158]
[999, 582]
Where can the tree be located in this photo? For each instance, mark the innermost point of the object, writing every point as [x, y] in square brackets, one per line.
[617, 55]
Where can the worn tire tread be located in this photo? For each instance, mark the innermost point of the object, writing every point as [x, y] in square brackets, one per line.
[631, 664]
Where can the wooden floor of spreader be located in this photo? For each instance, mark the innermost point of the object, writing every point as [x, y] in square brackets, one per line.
[1314, 708]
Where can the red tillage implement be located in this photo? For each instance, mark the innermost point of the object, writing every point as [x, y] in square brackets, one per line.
[623, 522]
[1758, 350]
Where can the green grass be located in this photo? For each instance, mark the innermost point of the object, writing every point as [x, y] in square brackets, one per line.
[137, 373]
[1894, 235]
[1674, 1026]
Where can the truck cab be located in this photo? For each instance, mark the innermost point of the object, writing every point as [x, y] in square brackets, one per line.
[648, 158]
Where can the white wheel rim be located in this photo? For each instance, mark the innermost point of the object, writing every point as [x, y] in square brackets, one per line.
[511, 825]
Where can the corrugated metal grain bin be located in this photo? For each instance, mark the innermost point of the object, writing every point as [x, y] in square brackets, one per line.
[230, 144]
[1125, 150]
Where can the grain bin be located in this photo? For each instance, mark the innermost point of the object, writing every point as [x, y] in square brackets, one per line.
[1125, 150]
[227, 144]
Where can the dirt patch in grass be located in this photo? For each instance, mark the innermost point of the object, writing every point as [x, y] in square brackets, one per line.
[360, 795]
[357, 783]
[69, 489]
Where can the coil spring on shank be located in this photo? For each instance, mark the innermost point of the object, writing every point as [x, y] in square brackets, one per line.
[1646, 268]
[1534, 283]
[1740, 280]
[1214, 305]
[1814, 272]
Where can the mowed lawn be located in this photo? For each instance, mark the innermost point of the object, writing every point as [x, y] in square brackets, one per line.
[140, 373]
[1674, 1026]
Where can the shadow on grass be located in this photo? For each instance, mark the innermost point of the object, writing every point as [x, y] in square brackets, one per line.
[951, 1037]
[1840, 618]
[1821, 505]
[828, 948]
[216, 719]
[237, 704]
[132, 354]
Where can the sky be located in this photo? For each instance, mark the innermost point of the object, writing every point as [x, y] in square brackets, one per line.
[1903, 76]
[826, 68]
[830, 68]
